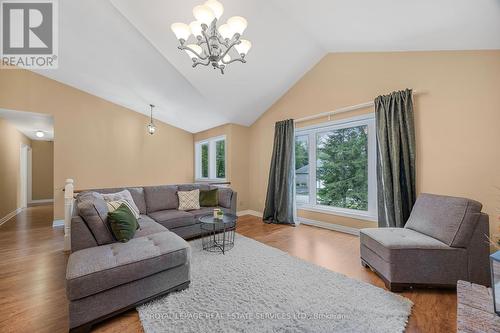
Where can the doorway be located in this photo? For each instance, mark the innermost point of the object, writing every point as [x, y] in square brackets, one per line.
[25, 176]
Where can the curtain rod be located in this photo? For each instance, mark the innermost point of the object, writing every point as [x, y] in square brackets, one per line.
[341, 110]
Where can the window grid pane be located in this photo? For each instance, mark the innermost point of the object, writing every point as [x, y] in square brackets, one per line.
[204, 160]
[342, 168]
[220, 159]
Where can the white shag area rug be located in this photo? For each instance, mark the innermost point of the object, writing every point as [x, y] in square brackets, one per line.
[257, 288]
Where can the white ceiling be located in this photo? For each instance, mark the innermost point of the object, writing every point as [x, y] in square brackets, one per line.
[124, 51]
[29, 123]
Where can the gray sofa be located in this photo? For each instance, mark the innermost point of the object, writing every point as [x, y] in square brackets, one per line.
[443, 241]
[105, 277]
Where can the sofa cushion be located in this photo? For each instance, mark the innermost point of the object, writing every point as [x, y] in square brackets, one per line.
[449, 219]
[136, 192]
[391, 243]
[161, 198]
[96, 269]
[225, 196]
[148, 226]
[406, 256]
[195, 186]
[173, 218]
[93, 210]
[202, 211]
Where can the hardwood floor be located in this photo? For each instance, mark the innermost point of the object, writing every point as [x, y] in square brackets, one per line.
[32, 270]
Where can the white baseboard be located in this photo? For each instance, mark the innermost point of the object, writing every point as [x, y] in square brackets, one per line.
[10, 215]
[249, 212]
[57, 223]
[40, 201]
[319, 224]
[330, 226]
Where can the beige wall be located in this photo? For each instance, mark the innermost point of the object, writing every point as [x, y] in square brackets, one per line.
[457, 114]
[10, 156]
[237, 157]
[457, 118]
[42, 170]
[98, 143]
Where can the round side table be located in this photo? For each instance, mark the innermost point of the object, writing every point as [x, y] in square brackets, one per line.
[218, 234]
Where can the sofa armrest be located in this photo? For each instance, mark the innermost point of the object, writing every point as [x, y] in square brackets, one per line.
[234, 202]
[478, 251]
[81, 237]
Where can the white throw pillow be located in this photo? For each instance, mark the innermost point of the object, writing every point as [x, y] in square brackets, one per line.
[189, 200]
[123, 195]
[113, 205]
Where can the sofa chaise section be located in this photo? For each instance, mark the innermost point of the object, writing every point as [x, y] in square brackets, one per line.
[443, 241]
[108, 279]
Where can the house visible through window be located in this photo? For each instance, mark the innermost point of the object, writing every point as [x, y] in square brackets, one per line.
[210, 159]
[335, 167]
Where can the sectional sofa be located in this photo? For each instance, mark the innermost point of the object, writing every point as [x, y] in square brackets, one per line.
[105, 277]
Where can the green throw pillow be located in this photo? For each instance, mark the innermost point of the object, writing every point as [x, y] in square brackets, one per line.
[209, 198]
[123, 223]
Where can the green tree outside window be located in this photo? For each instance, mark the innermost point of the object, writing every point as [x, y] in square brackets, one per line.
[204, 160]
[342, 168]
[220, 159]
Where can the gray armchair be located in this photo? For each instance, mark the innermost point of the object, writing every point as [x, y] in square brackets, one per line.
[443, 241]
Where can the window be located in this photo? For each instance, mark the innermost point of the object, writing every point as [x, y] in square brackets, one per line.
[204, 160]
[335, 168]
[210, 159]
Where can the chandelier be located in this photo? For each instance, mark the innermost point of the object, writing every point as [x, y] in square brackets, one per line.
[213, 45]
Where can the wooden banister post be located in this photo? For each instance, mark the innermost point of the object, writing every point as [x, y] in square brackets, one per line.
[68, 212]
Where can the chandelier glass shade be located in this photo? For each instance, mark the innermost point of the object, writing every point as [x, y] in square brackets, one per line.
[212, 45]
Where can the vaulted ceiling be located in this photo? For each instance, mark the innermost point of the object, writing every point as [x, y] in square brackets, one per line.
[125, 52]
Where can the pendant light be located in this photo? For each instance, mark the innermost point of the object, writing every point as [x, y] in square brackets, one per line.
[151, 125]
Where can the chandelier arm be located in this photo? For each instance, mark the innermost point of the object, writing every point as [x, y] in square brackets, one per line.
[221, 39]
[242, 60]
[236, 42]
[206, 41]
[182, 47]
[220, 67]
[196, 63]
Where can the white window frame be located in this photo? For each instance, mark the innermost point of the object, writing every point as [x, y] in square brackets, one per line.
[312, 131]
[212, 163]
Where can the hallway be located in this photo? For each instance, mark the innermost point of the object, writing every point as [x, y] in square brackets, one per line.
[31, 266]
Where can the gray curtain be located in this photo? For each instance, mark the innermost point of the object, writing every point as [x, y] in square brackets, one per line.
[396, 158]
[280, 199]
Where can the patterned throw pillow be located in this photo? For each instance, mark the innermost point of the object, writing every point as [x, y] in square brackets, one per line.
[122, 195]
[189, 200]
[113, 205]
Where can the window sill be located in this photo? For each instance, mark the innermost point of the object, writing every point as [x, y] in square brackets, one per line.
[350, 213]
[207, 180]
